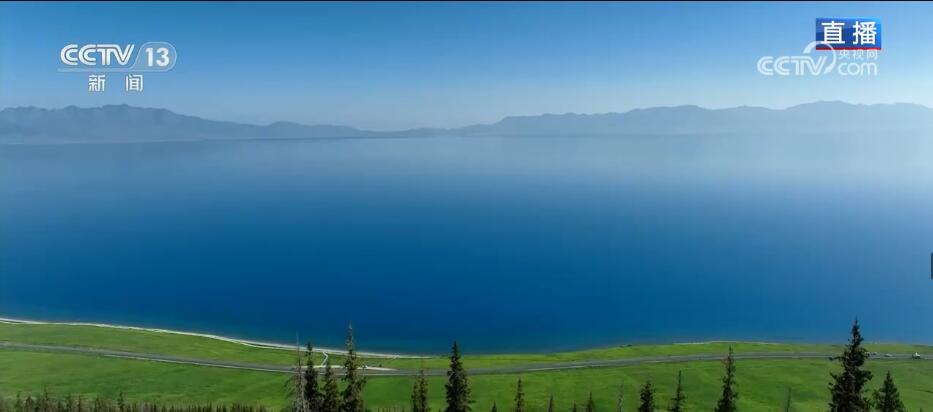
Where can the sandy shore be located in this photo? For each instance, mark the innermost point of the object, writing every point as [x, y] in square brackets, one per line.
[245, 342]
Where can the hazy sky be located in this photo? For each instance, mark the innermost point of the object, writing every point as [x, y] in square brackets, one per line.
[402, 65]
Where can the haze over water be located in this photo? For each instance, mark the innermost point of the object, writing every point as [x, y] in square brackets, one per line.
[511, 244]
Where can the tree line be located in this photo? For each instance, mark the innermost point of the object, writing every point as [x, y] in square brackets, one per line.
[310, 392]
[848, 388]
[46, 403]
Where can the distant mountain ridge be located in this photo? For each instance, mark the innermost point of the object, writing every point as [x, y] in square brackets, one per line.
[123, 123]
[819, 117]
[128, 123]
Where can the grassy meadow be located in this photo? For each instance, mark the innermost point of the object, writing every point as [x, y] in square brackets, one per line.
[762, 384]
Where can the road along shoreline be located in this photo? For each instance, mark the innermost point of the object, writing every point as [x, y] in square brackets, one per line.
[380, 371]
[285, 346]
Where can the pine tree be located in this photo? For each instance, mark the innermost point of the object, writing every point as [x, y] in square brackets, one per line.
[590, 404]
[458, 387]
[887, 399]
[68, 405]
[846, 390]
[29, 404]
[729, 395]
[312, 392]
[677, 402]
[550, 403]
[18, 405]
[100, 405]
[331, 399]
[519, 398]
[300, 401]
[647, 398]
[419, 394]
[353, 382]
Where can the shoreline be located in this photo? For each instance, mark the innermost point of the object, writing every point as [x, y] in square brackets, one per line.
[366, 354]
[245, 342]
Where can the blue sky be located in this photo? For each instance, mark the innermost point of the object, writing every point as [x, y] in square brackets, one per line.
[403, 65]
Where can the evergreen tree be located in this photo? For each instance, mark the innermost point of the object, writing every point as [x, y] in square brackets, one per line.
[846, 390]
[590, 404]
[313, 396]
[494, 409]
[19, 405]
[519, 398]
[300, 402]
[331, 400]
[887, 399]
[550, 403]
[30, 404]
[419, 394]
[729, 395]
[100, 405]
[677, 402]
[647, 398]
[68, 405]
[458, 387]
[353, 382]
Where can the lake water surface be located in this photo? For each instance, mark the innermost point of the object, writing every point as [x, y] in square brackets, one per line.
[503, 244]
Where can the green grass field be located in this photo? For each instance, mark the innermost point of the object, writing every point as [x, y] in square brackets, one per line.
[133, 340]
[762, 383]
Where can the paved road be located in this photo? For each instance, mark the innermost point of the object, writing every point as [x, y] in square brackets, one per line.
[374, 371]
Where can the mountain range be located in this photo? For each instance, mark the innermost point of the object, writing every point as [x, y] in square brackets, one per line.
[122, 123]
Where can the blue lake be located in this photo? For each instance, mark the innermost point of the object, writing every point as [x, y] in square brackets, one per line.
[503, 244]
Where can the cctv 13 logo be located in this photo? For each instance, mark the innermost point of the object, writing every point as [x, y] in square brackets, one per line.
[157, 56]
